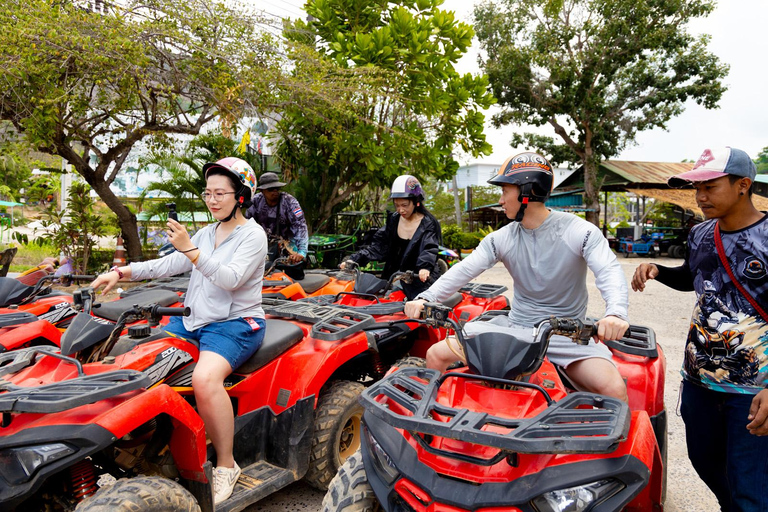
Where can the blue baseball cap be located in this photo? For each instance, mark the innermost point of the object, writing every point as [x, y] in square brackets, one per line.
[716, 163]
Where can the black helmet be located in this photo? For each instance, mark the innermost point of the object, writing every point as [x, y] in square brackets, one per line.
[532, 173]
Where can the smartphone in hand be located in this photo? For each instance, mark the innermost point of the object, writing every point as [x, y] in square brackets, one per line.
[172, 211]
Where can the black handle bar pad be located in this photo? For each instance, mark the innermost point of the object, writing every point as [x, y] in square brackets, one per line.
[163, 311]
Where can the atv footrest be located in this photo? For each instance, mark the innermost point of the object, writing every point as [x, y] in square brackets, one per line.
[70, 393]
[257, 481]
[579, 423]
[484, 290]
[331, 323]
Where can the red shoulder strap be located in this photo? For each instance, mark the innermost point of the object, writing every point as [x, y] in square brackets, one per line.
[724, 261]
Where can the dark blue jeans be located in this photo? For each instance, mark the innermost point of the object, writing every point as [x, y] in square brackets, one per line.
[731, 461]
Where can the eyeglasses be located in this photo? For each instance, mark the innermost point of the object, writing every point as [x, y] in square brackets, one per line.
[219, 196]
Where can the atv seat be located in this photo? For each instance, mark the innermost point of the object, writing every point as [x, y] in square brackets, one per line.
[313, 282]
[453, 300]
[113, 310]
[13, 291]
[280, 336]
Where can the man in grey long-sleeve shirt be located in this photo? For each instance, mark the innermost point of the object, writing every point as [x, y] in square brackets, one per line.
[547, 254]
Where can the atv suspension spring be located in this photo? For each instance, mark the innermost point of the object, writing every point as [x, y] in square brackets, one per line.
[379, 368]
[83, 480]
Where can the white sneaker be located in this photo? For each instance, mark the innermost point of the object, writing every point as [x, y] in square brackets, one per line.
[224, 480]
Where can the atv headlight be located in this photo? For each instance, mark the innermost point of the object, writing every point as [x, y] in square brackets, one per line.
[577, 499]
[17, 465]
[384, 465]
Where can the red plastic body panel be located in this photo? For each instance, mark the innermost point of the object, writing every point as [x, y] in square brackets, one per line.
[40, 332]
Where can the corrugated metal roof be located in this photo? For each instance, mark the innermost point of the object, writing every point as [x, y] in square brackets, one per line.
[646, 172]
[687, 199]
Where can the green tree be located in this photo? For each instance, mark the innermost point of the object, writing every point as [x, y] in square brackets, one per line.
[762, 161]
[88, 87]
[76, 229]
[596, 71]
[413, 113]
[181, 173]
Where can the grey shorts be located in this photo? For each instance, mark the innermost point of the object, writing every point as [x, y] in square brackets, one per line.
[561, 352]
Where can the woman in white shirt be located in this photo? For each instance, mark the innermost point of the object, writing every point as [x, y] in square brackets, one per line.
[227, 263]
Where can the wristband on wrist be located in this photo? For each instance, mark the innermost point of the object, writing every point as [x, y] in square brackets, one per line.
[115, 268]
[188, 250]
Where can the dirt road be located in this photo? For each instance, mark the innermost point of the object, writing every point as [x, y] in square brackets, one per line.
[668, 313]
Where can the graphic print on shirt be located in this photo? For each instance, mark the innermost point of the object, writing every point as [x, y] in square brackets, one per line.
[727, 346]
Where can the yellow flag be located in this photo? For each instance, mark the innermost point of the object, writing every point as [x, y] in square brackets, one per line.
[243, 146]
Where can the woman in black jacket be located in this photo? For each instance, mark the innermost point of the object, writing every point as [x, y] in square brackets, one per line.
[408, 241]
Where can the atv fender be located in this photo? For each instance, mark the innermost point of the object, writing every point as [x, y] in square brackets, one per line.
[642, 444]
[188, 438]
[38, 333]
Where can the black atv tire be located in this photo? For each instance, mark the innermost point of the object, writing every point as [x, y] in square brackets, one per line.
[142, 493]
[349, 490]
[442, 267]
[411, 362]
[337, 431]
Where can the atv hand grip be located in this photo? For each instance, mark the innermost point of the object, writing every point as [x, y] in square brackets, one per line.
[163, 311]
[580, 332]
[82, 278]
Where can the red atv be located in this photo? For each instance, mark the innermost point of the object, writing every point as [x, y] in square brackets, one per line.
[37, 315]
[505, 433]
[114, 407]
[277, 284]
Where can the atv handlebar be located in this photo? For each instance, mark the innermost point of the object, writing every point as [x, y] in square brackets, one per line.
[439, 315]
[161, 311]
[64, 279]
[152, 313]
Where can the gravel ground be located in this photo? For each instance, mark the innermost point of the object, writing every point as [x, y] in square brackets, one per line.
[664, 310]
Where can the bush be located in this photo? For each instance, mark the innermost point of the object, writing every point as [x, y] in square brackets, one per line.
[456, 239]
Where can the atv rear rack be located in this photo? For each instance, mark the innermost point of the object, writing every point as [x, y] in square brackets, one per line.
[174, 284]
[483, 290]
[330, 323]
[71, 393]
[638, 341]
[579, 423]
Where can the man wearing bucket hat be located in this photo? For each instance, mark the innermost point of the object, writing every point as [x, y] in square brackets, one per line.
[281, 216]
[724, 400]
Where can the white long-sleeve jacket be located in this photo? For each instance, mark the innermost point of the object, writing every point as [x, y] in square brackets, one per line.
[548, 265]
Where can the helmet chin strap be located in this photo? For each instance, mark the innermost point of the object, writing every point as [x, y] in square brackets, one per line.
[238, 205]
[524, 198]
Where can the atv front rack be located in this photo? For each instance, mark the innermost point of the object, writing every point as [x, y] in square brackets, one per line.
[329, 323]
[483, 290]
[579, 423]
[71, 393]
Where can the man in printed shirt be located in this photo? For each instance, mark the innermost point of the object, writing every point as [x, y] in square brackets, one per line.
[281, 216]
[724, 401]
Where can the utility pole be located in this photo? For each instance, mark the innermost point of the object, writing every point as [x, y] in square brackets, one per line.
[456, 202]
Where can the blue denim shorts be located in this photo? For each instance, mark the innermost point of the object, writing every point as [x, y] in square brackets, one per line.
[235, 340]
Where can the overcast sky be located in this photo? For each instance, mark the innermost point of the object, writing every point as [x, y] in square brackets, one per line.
[738, 29]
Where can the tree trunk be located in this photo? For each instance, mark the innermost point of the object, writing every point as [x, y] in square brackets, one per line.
[125, 218]
[591, 189]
